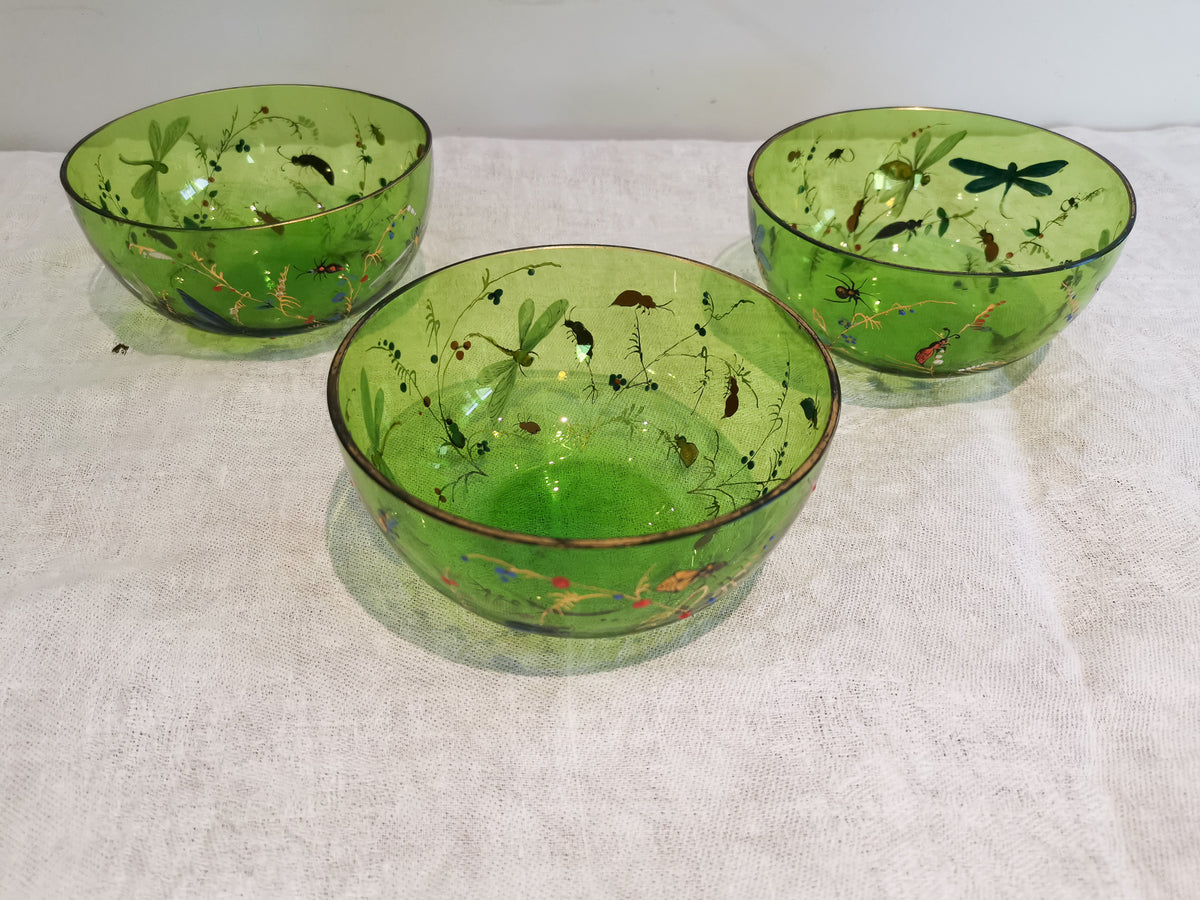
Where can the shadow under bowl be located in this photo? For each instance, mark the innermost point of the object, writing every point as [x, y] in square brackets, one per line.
[934, 242]
[263, 210]
[583, 440]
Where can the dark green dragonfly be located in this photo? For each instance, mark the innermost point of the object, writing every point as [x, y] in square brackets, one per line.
[989, 177]
[502, 376]
[161, 141]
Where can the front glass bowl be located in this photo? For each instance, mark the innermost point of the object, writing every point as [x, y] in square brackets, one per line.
[583, 440]
[934, 242]
[256, 210]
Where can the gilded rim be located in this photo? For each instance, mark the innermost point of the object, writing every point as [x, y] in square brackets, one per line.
[350, 447]
[79, 145]
[841, 251]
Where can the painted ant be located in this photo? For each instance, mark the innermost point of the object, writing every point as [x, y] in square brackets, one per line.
[839, 155]
[990, 248]
[852, 222]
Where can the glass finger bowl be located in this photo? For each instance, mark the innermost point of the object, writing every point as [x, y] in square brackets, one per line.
[256, 210]
[934, 242]
[583, 440]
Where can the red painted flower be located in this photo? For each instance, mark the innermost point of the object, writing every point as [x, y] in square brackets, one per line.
[559, 582]
[450, 581]
[639, 604]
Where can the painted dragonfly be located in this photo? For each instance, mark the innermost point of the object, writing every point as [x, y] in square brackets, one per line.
[161, 141]
[988, 177]
[502, 376]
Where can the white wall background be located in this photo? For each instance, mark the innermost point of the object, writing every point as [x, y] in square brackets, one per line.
[608, 68]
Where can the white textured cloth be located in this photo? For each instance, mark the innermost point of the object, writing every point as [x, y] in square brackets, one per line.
[972, 667]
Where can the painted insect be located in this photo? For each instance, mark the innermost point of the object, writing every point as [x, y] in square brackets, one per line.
[839, 155]
[268, 219]
[846, 291]
[164, 239]
[309, 161]
[903, 175]
[688, 452]
[989, 177]
[898, 228]
[731, 397]
[855, 215]
[990, 248]
[632, 298]
[376, 133]
[925, 354]
[161, 141]
[454, 433]
[121, 348]
[764, 246]
[529, 427]
[325, 268]
[502, 375]
[682, 580]
[584, 342]
[811, 409]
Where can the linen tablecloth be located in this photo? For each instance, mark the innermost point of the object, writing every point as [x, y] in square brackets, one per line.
[972, 667]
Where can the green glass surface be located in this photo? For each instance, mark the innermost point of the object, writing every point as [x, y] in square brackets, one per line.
[584, 441]
[256, 210]
[934, 242]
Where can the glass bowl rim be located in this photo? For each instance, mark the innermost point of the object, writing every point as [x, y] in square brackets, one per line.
[174, 229]
[841, 251]
[351, 447]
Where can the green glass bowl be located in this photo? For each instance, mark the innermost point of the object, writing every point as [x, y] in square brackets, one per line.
[583, 440]
[934, 242]
[256, 210]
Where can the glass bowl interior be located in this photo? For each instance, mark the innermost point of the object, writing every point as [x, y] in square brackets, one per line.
[583, 394]
[942, 190]
[243, 157]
